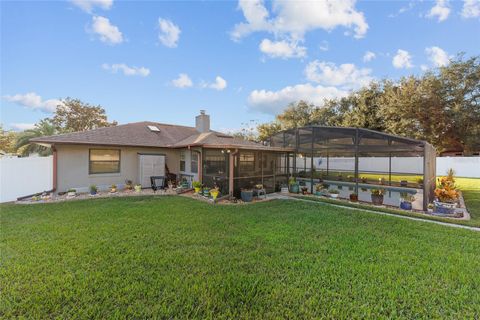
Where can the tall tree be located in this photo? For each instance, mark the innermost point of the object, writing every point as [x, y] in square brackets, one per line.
[7, 140]
[74, 115]
[25, 147]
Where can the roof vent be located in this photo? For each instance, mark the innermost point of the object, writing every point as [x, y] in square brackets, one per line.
[153, 128]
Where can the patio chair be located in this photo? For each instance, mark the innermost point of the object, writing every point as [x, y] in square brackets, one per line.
[157, 182]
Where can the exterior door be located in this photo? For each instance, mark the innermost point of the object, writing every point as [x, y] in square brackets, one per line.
[150, 165]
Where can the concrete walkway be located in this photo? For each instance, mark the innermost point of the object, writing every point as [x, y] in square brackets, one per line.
[287, 197]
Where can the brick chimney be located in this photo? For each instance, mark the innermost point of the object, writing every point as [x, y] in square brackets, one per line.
[202, 122]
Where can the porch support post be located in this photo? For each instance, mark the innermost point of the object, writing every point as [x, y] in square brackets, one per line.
[231, 171]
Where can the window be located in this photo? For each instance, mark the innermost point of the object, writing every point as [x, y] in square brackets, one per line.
[182, 161]
[104, 161]
[194, 162]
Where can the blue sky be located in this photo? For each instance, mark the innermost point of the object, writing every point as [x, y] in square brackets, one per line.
[241, 61]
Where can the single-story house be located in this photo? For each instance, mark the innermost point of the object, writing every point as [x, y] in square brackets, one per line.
[136, 151]
[352, 160]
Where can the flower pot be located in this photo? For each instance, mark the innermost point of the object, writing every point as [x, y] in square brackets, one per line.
[304, 190]
[247, 195]
[71, 194]
[198, 189]
[334, 195]
[92, 193]
[353, 197]
[138, 189]
[444, 207]
[404, 183]
[294, 188]
[406, 205]
[113, 190]
[214, 194]
[206, 192]
[318, 193]
[377, 199]
[284, 190]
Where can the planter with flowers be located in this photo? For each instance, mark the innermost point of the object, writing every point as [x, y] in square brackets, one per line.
[446, 195]
[214, 193]
[197, 186]
[138, 188]
[377, 196]
[334, 193]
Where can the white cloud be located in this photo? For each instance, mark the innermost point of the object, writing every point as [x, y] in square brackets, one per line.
[128, 71]
[22, 126]
[89, 5]
[295, 18]
[273, 102]
[437, 56]
[183, 81]
[282, 49]
[108, 32]
[424, 67]
[324, 46]
[347, 75]
[219, 84]
[369, 56]
[471, 9]
[402, 59]
[169, 33]
[441, 10]
[34, 101]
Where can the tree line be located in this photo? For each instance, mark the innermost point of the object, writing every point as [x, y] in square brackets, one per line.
[71, 115]
[442, 106]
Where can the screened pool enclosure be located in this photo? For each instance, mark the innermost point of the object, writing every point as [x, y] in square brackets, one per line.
[349, 160]
[359, 160]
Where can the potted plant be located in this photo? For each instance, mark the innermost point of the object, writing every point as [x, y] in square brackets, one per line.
[206, 192]
[128, 185]
[406, 201]
[294, 187]
[93, 190]
[377, 196]
[381, 180]
[71, 193]
[214, 193]
[113, 188]
[353, 197]
[304, 190]
[333, 193]
[247, 194]
[364, 179]
[138, 188]
[284, 188]
[318, 189]
[350, 178]
[197, 186]
[446, 195]
[403, 183]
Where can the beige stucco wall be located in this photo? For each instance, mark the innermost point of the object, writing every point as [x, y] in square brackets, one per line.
[72, 166]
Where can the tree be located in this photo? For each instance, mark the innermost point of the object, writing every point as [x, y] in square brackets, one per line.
[74, 115]
[7, 140]
[25, 147]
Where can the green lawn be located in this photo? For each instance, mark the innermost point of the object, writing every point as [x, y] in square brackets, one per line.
[471, 194]
[173, 257]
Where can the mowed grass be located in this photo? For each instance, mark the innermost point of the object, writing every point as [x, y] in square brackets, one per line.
[471, 193]
[173, 257]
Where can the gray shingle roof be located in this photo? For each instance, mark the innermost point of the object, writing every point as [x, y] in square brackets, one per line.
[138, 134]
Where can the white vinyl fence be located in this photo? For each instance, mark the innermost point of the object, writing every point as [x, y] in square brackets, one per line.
[23, 176]
[468, 167]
